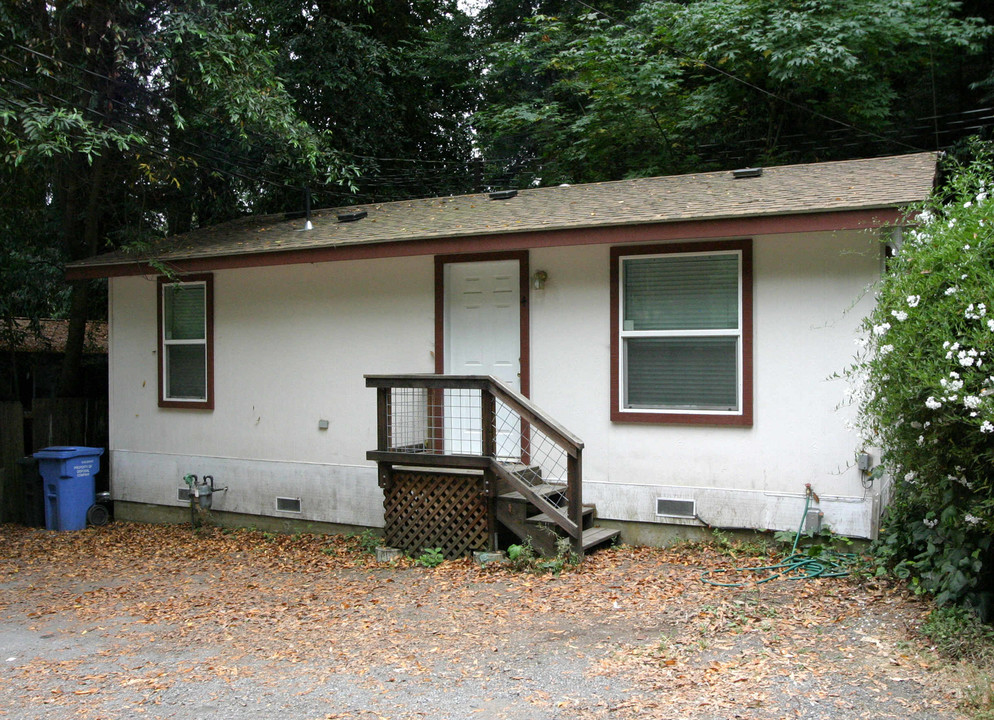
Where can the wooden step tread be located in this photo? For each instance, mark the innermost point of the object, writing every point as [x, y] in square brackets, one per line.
[597, 535]
[543, 489]
[544, 518]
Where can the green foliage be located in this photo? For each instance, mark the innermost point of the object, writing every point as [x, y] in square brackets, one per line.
[663, 87]
[958, 633]
[368, 540]
[523, 558]
[924, 382]
[430, 557]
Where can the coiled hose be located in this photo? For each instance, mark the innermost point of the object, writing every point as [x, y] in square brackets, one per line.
[797, 566]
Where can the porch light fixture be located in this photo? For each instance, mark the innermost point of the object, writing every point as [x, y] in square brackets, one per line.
[539, 278]
[503, 194]
[747, 173]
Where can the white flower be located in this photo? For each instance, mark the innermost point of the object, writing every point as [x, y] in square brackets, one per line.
[921, 440]
[932, 404]
[910, 475]
[885, 349]
[987, 427]
[971, 402]
[975, 312]
[967, 204]
[881, 328]
[900, 315]
[971, 519]
[981, 196]
[952, 290]
[926, 217]
[913, 300]
[930, 523]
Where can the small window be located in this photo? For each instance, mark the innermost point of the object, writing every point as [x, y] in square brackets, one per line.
[186, 348]
[682, 345]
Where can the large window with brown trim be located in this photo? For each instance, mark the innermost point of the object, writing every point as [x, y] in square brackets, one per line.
[681, 340]
[186, 347]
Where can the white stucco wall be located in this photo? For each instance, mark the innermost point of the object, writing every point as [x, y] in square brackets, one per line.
[809, 296]
[292, 344]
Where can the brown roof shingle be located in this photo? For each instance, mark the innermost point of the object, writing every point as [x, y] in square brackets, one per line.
[51, 337]
[786, 190]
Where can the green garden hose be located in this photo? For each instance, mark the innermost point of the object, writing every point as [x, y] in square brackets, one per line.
[797, 566]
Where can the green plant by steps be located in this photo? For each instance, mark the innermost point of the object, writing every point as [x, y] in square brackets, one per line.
[523, 558]
[431, 557]
[368, 540]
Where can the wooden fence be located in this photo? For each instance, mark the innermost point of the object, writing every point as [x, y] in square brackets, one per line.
[62, 421]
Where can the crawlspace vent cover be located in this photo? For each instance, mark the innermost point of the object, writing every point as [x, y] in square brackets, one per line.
[183, 494]
[284, 504]
[669, 507]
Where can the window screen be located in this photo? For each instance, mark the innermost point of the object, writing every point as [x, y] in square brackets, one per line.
[680, 332]
[184, 341]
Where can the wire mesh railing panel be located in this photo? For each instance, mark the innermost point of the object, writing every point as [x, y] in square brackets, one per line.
[409, 427]
[435, 421]
[461, 421]
[532, 456]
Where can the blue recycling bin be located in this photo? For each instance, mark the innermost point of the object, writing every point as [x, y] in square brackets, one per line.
[68, 474]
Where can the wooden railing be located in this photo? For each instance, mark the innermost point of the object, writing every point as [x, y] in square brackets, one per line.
[471, 421]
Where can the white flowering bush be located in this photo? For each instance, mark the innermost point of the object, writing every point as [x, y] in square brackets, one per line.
[925, 381]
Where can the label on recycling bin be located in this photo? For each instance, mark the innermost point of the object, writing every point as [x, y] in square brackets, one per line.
[83, 466]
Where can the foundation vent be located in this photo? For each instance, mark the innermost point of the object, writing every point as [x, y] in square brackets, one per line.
[285, 504]
[672, 507]
[183, 494]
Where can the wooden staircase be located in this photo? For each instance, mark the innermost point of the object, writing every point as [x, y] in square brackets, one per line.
[536, 495]
[540, 529]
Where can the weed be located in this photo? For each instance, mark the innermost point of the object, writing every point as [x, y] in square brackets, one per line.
[431, 557]
[957, 633]
[368, 540]
[524, 559]
[748, 546]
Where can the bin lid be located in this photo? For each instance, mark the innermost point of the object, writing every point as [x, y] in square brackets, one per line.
[66, 452]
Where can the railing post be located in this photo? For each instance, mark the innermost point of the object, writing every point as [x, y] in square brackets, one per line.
[574, 495]
[383, 419]
[488, 416]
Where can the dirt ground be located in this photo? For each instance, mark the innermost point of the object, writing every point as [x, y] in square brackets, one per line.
[152, 621]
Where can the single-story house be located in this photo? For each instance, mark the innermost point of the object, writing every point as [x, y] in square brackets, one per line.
[686, 329]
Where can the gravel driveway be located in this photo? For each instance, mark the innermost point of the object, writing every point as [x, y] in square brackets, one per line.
[153, 621]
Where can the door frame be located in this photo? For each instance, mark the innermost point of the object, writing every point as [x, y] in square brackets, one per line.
[524, 286]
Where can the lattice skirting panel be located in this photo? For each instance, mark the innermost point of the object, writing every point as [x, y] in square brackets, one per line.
[436, 510]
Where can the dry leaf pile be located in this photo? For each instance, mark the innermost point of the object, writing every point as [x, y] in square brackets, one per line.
[264, 612]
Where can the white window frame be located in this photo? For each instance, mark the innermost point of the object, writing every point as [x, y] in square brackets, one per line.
[624, 335]
[165, 399]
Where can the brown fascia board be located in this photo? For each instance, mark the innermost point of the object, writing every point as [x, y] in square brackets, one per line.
[703, 229]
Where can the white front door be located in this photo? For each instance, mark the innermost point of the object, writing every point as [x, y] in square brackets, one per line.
[482, 337]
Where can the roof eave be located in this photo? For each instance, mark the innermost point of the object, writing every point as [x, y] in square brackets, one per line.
[728, 226]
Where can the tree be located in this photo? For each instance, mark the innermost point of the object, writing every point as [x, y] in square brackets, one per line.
[925, 386]
[120, 119]
[680, 86]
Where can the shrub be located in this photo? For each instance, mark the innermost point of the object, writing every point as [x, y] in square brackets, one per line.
[925, 385]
